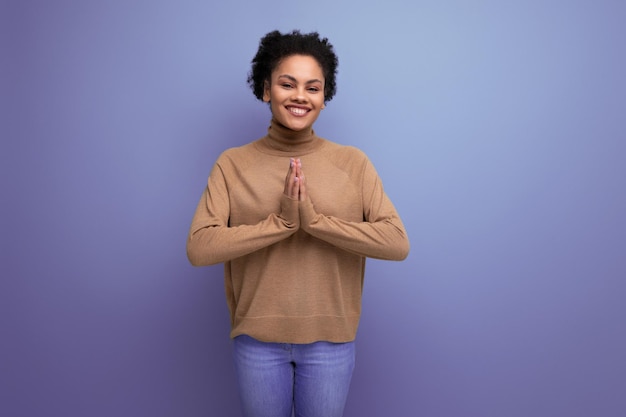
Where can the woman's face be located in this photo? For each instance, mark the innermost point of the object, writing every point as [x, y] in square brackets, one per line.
[296, 92]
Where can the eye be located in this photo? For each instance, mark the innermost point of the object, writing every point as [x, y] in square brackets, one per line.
[314, 89]
[286, 85]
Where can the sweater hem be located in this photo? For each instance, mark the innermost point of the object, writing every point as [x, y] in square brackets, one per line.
[298, 330]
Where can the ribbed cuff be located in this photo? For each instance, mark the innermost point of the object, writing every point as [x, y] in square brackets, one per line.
[307, 213]
[289, 211]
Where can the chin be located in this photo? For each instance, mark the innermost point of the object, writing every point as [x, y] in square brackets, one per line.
[298, 128]
[295, 125]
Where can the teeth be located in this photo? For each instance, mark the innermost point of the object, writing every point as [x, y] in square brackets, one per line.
[296, 110]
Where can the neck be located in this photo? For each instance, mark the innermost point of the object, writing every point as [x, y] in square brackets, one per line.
[283, 139]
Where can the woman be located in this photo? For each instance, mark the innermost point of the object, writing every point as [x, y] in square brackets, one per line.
[293, 216]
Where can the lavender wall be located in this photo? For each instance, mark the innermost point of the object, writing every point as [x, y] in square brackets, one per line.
[497, 127]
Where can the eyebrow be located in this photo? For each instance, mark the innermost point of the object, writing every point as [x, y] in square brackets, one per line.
[292, 78]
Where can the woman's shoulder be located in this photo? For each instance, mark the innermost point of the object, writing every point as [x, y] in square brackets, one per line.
[343, 151]
[345, 157]
[238, 153]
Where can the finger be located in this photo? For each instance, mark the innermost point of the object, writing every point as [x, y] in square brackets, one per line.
[302, 194]
[298, 166]
[291, 186]
[301, 180]
[289, 171]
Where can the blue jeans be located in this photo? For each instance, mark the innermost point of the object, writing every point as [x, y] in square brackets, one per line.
[274, 378]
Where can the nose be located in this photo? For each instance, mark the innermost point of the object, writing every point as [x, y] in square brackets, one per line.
[299, 94]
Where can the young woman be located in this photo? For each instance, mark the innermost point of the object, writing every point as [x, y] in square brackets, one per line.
[293, 216]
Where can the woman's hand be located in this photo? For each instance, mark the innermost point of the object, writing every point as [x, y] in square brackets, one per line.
[292, 188]
[295, 183]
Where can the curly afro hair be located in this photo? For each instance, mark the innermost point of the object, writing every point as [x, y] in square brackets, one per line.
[275, 46]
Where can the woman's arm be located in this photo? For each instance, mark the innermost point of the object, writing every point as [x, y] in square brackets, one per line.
[211, 240]
[380, 235]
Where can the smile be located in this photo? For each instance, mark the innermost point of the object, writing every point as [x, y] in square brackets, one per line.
[297, 111]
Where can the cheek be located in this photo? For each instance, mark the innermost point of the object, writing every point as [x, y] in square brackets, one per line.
[274, 107]
[273, 95]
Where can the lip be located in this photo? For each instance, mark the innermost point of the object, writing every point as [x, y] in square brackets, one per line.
[305, 109]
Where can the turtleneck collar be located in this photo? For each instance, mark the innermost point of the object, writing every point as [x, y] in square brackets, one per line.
[282, 140]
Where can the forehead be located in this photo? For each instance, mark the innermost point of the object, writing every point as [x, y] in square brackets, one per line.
[299, 66]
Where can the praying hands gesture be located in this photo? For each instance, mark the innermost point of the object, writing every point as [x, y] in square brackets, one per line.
[295, 183]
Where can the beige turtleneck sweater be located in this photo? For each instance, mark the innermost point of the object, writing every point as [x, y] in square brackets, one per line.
[293, 270]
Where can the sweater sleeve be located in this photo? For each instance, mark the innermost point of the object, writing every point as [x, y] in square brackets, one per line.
[212, 240]
[380, 235]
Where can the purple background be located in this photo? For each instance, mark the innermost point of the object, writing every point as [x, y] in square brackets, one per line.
[498, 128]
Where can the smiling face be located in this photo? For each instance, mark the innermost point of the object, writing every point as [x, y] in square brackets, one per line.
[296, 92]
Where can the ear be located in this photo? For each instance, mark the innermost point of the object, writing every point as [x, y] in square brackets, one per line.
[266, 91]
